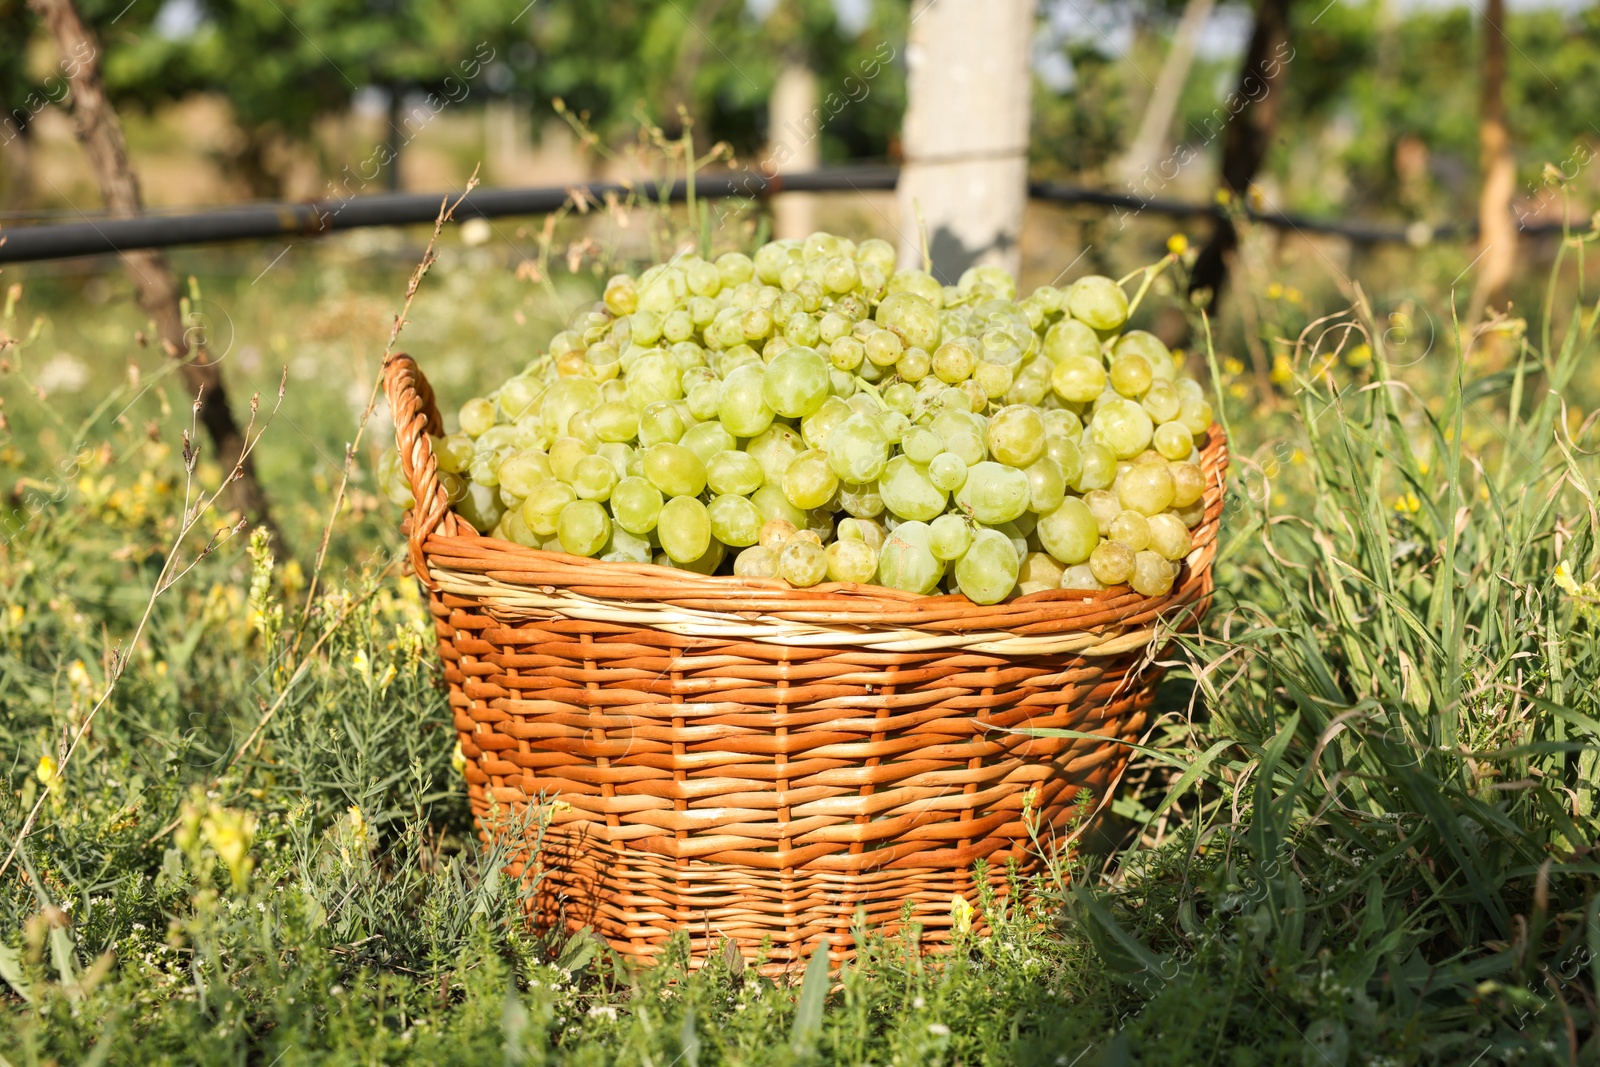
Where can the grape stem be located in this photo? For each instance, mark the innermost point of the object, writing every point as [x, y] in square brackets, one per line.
[1151, 273]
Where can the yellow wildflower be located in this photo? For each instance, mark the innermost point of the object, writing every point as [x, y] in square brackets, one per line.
[1565, 581]
[1177, 244]
[458, 759]
[1275, 291]
[362, 665]
[1232, 365]
[1282, 370]
[16, 612]
[1359, 356]
[48, 773]
[230, 834]
[1238, 391]
[1408, 503]
[960, 914]
[1297, 457]
[1293, 295]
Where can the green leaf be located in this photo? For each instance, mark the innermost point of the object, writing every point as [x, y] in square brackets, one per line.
[813, 993]
[11, 971]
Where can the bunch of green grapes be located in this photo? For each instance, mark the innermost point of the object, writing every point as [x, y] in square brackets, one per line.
[812, 414]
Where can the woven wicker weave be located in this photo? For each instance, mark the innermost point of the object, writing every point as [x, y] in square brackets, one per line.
[744, 760]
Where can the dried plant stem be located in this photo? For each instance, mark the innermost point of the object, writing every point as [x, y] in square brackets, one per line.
[429, 257]
[196, 506]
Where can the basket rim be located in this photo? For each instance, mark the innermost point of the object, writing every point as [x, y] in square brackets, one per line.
[449, 555]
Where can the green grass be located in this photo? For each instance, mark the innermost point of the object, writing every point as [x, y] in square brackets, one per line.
[1362, 832]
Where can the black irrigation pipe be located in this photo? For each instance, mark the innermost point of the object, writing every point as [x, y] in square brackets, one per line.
[317, 217]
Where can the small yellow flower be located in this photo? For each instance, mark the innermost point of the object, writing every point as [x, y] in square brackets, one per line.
[1359, 356]
[47, 772]
[230, 834]
[358, 824]
[458, 759]
[1177, 244]
[362, 665]
[1275, 291]
[1422, 466]
[1293, 295]
[1232, 366]
[960, 914]
[1238, 391]
[78, 675]
[1224, 197]
[1563, 578]
[1282, 370]
[1408, 503]
[17, 611]
[1297, 457]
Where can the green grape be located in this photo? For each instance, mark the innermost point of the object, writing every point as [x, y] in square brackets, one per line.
[775, 533]
[1161, 401]
[757, 561]
[594, 478]
[1069, 533]
[1104, 506]
[1169, 537]
[521, 471]
[1173, 440]
[654, 376]
[392, 479]
[847, 354]
[1046, 486]
[842, 383]
[817, 427]
[735, 268]
[1081, 576]
[955, 360]
[703, 278]
[1078, 379]
[684, 529]
[862, 530]
[802, 563]
[993, 379]
[833, 326]
[677, 326]
[1122, 426]
[860, 501]
[621, 297]
[1189, 389]
[884, 347]
[801, 329]
[735, 521]
[857, 451]
[987, 572]
[1069, 337]
[914, 364]
[1062, 423]
[775, 449]
[809, 482]
[1031, 386]
[947, 471]
[1196, 415]
[565, 452]
[707, 562]
[1152, 575]
[907, 491]
[1146, 488]
[1039, 573]
[1099, 468]
[1112, 563]
[772, 504]
[949, 537]
[1130, 375]
[731, 471]
[1131, 528]
[577, 427]
[706, 439]
[625, 547]
[900, 397]
[1016, 436]
[1067, 456]
[623, 458]
[841, 275]
[518, 396]
[615, 421]
[583, 527]
[659, 422]
[636, 504]
[993, 493]
[878, 252]
[477, 416]
[1188, 484]
[919, 282]
[544, 505]
[1148, 346]
[676, 471]
[921, 445]
[743, 410]
[603, 359]
[1098, 301]
[851, 561]
[453, 453]
[516, 530]
[705, 399]
[914, 318]
[962, 436]
[906, 561]
[795, 384]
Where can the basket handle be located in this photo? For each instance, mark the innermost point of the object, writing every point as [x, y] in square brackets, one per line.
[416, 416]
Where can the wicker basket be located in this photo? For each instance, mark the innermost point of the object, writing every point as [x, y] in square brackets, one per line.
[747, 761]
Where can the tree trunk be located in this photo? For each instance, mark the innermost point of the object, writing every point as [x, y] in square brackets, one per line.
[1248, 134]
[101, 135]
[1497, 229]
[968, 97]
[794, 139]
[1144, 152]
